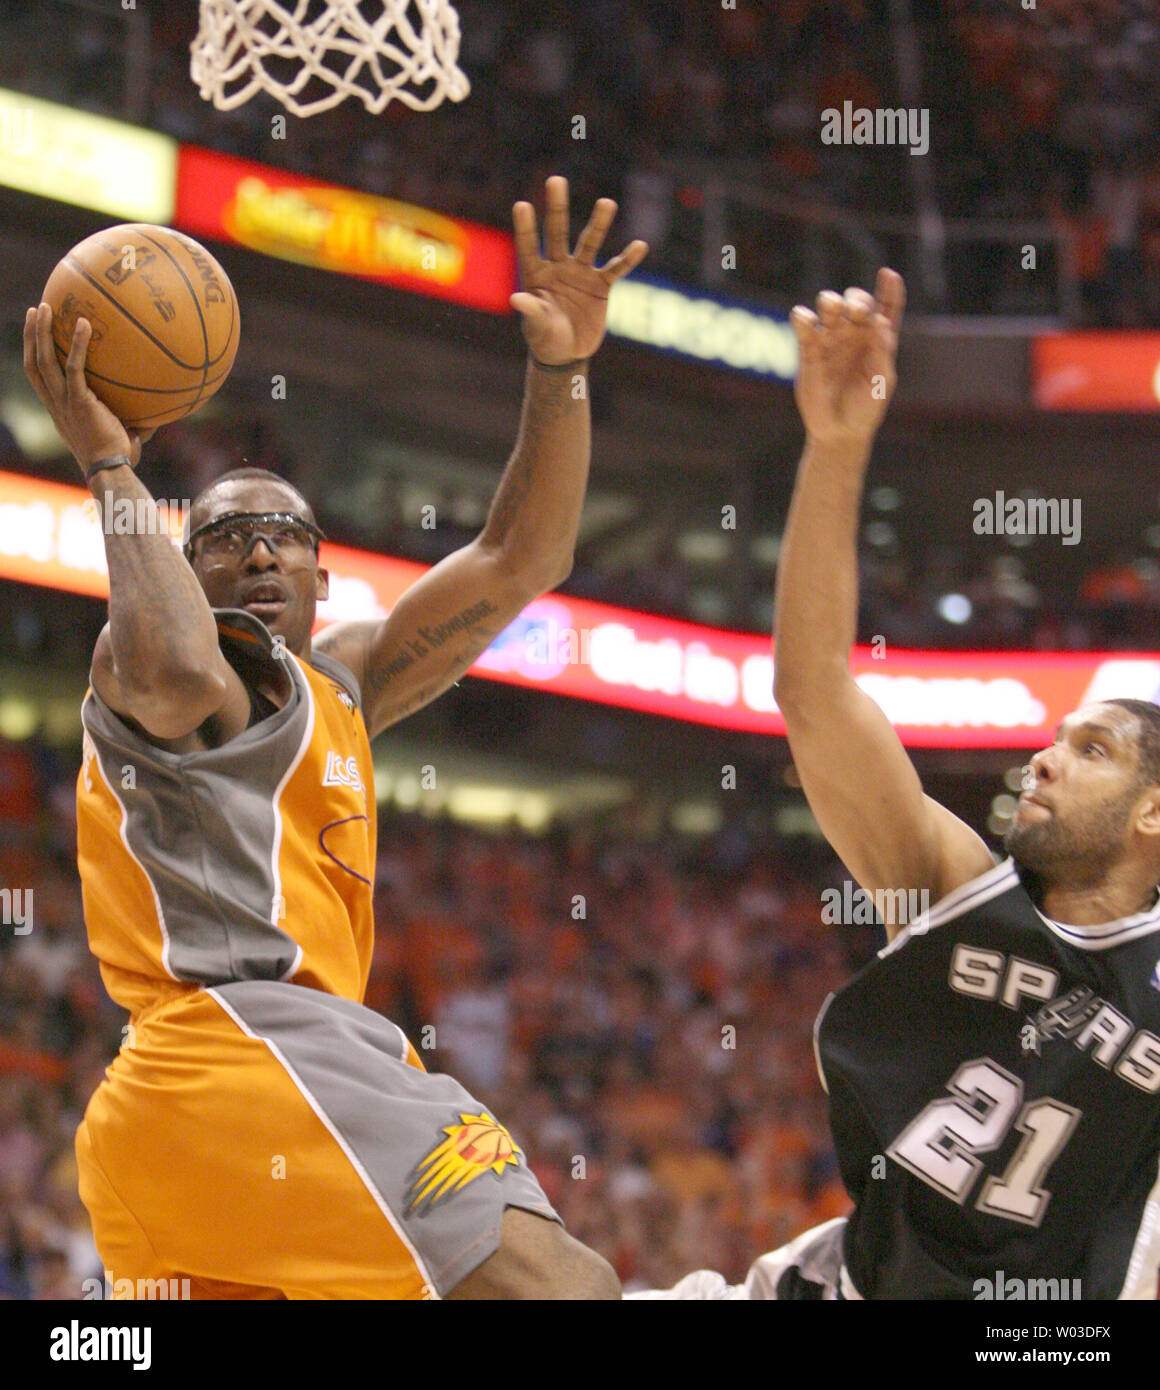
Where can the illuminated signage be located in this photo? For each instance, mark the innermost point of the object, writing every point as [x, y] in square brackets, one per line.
[338, 229]
[709, 330]
[1096, 371]
[50, 535]
[75, 157]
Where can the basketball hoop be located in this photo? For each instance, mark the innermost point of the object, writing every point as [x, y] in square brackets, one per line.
[376, 50]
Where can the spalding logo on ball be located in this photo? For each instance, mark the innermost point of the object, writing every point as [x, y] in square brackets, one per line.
[165, 321]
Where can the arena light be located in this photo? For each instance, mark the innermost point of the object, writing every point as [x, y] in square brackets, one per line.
[701, 327]
[90, 161]
[1096, 371]
[19, 717]
[954, 608]
[323, 225]
[50, 535]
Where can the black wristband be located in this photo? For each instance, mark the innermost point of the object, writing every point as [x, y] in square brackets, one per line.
[558, 366]
[113, 461]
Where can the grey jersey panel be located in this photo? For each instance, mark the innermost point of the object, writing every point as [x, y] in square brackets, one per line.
[336, 671]
[390, 1117]
[204, 828]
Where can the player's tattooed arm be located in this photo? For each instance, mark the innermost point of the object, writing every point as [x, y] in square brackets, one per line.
[429, 640]
[563, 302]
[452, 614]
[158, 660]
[446, 620]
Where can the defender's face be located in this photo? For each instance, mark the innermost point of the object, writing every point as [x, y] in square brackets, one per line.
[1079, 795]
[273, 572]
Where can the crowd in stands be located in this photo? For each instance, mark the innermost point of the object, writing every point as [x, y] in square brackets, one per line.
[1115, 607]
[1063, 122]
[1047, 115]
[638, 1013]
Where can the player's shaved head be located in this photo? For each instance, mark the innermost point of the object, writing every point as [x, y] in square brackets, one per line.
[202, 506]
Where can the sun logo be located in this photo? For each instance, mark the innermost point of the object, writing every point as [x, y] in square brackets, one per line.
[477, 1145]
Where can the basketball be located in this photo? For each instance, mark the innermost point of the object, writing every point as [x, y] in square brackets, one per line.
[164, 316]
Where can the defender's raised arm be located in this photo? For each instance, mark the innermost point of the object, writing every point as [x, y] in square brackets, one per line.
[857, 777]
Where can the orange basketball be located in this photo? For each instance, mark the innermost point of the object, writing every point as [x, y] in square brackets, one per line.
[165, 320]
[483, 1144]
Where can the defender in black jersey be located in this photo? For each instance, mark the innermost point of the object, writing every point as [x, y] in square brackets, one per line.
[1007, 1066]
[994, 1075]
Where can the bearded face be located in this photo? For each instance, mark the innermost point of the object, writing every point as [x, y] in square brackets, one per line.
[1074, 819]
[1078, 843]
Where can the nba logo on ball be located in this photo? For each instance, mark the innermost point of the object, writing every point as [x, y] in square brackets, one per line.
[478, 1144]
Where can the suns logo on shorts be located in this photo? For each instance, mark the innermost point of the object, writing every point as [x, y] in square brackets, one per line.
[477, 1145]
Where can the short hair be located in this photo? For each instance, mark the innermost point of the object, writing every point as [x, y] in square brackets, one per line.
[262, 475]
[1147, 737]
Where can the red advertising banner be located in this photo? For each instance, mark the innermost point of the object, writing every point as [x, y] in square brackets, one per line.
[1096, 371]
[50, 535]
[339, 229]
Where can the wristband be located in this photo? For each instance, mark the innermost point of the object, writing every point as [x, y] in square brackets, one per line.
[113, 461]
[558, 366]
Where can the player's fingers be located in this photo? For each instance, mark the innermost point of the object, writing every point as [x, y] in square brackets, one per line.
[806, 325]
[49, 367]
[626, 262]
[526, 238]
[830, 307]
[842, 333]
[556, 218]
[591, 239]
[890, 295]
[31, 367]
[74, 367]
[528, 305]
[883, 347]
[859, 306]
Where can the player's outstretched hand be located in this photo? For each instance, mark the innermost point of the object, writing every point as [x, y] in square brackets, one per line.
[846, 376]
[564, 299]
[86, 424]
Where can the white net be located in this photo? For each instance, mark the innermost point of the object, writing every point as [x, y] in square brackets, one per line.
[313, 54]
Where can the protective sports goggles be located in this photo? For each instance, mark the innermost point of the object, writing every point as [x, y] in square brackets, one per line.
[233, 533]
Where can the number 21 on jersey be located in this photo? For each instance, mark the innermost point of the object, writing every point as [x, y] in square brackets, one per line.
[941, 1145]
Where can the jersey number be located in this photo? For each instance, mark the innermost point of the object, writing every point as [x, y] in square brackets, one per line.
[940, 1145]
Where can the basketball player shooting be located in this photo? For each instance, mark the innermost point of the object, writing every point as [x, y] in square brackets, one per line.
[261, 1133]
[994, 1074]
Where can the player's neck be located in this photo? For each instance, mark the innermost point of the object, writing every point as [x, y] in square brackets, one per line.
[1117, 897]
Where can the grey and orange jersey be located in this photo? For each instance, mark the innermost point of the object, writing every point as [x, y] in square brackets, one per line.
[253, 860]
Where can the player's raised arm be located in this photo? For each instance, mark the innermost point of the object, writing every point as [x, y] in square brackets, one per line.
[158, 660]
[857, 777]
[445, 621]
